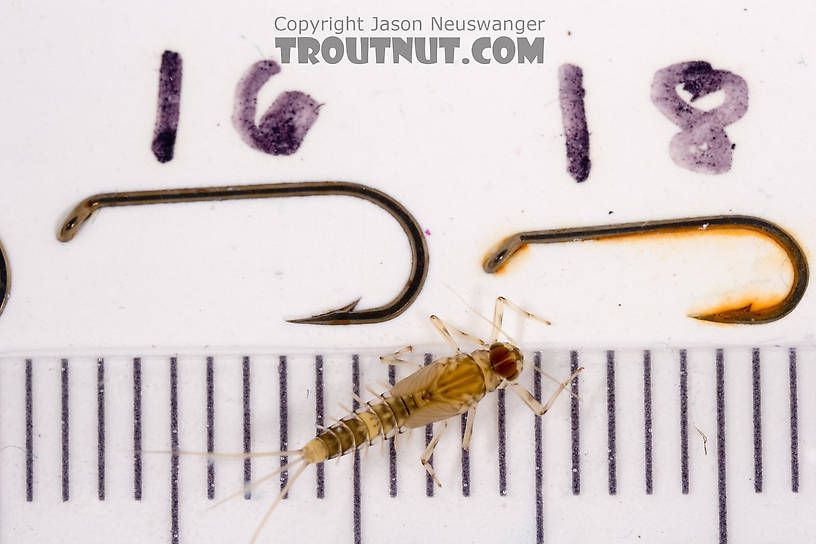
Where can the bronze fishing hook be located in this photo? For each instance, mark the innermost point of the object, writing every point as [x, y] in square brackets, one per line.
[345, 315]
[746, 314]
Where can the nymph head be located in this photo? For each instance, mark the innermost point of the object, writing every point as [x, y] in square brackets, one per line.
[506, 360]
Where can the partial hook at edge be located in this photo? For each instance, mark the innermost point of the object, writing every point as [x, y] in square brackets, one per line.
[5, 279]
[513, 243]
[342, 316]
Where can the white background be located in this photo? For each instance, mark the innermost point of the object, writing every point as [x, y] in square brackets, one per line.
[474, 152]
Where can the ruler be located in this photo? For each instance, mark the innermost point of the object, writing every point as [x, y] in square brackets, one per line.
[655, 445]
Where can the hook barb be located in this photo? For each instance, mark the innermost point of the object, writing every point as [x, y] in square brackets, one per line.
[347, 315]
[744, 315]
[340, 316]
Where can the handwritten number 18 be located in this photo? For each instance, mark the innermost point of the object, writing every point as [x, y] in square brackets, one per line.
[702, 145]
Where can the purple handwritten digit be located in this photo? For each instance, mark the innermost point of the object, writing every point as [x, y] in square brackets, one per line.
[702, 146]
[571, 95]
[281, 129]
[167, 115]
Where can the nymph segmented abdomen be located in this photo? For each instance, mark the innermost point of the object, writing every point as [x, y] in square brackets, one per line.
[383, 417]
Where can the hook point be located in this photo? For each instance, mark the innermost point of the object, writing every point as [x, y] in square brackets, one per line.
[740, 316]
[338, 316]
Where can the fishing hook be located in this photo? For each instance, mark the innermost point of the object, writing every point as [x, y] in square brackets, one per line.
[5, 279]
[345, 315]
[746, 314]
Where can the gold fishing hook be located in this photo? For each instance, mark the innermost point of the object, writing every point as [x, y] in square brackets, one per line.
[746, 314]
[345, 315]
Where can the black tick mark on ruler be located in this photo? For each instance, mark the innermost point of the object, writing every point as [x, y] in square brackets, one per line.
[137, 428]
[723, 523]
[247, 421]
[392, 449]
[355, 386]
[429, 483]
[610, 421]
[539, 465]
[465, 459]
[29, 403]
[757, 397]
[319, 417]
[684, 459]
[100, 428]
[210, 427]
[647, 420]
[65, 435]
[174, 458]
[575, 428]
[794, 421]
[284, 420]
[500, 398]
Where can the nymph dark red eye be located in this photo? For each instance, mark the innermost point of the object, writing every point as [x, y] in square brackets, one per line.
[504, 361]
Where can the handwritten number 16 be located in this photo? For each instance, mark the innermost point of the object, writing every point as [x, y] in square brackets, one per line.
[281, 128]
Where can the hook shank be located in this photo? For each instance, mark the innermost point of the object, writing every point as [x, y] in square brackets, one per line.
[793, 250]
[341, 316]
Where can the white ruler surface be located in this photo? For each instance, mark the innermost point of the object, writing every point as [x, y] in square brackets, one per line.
[660, 445]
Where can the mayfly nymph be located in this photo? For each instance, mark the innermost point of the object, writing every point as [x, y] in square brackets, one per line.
[445, 388]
